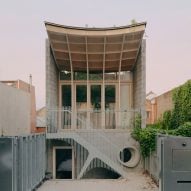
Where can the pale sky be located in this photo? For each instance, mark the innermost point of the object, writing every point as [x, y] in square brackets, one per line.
[22, 36]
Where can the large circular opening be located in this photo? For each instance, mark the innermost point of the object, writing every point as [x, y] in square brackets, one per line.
[125, 155]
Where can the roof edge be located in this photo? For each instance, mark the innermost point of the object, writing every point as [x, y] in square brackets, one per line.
[95, 28]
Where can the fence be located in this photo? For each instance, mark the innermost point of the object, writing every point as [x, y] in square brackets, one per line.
[59, 119]
[22, 162]
[174, 163]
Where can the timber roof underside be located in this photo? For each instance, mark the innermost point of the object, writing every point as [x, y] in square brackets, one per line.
[109, 49]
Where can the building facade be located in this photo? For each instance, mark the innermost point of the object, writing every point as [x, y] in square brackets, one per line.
[18, 107]
[157, 105]
[95, 88]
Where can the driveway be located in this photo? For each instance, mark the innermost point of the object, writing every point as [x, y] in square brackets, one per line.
[135, 182]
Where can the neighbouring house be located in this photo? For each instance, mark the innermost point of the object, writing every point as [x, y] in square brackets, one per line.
[95, 87]
[151, 109]
[18, 107]
[41, 119]
[22, 148]
[164, 103]
[157, 105]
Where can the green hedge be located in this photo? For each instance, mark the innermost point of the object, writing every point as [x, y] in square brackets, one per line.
[147, 136]
[181, 112]
[175, 122]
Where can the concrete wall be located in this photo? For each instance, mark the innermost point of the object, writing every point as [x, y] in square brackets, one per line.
[151, 165]
[31, 89]
[139, 82]
[15, 116]
[52, 76]
[19, 84]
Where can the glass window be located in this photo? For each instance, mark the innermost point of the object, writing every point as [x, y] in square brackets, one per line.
[66, 95]
[125, 75]
[80, 75]
[110, 76]
[96, 96]
[81, 93]
[109, 96]
[96, 76]
[64, 75]
[110, 107]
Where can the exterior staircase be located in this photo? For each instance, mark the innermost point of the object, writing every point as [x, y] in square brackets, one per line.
[103, 144]
[99, 145]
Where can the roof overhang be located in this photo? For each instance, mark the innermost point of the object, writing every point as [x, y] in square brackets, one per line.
[95, 49]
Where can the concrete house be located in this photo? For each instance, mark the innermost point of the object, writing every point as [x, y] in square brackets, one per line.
[95, 87]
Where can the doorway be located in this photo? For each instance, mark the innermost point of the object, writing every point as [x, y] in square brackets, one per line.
[63, 163]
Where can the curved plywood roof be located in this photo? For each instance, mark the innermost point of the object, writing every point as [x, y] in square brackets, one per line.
[95, 49]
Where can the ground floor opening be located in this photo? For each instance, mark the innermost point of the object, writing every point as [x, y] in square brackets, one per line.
[63, 163]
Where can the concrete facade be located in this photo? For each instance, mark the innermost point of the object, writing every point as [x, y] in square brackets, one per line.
[107, 52]
[139, 82]
[52, 79]
[15, 115]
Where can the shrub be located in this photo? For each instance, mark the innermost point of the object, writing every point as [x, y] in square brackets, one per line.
[182, 105]
[176, 122]
[147, 137]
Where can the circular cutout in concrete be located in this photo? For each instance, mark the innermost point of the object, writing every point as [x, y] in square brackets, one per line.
[129, 156]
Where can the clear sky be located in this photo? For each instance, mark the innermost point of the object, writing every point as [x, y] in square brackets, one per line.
[22, 36]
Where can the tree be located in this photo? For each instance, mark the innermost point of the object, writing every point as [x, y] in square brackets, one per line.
[133, 21]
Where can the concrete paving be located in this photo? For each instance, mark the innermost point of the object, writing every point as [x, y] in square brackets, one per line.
[135, 182]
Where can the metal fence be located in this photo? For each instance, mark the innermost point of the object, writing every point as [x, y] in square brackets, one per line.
[22, 162]
[174, 163]
[170, 165]
[59, 119]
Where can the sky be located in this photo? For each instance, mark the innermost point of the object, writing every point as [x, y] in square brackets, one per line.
[168, 35]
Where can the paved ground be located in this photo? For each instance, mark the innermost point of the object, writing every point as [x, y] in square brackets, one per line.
[135, 182]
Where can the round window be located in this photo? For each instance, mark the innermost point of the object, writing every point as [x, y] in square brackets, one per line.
[125, 155]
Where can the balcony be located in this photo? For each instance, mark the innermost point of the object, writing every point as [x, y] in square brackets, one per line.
[66, 119]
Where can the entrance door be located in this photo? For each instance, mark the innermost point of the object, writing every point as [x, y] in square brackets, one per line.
[63, 163]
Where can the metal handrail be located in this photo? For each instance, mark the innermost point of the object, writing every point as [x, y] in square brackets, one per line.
[60, 117]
